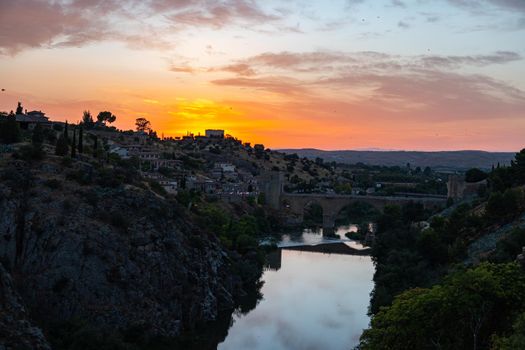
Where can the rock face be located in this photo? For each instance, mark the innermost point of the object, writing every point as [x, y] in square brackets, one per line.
[113, 256]
[16, 332]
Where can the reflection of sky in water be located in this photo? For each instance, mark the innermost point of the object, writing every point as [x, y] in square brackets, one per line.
[315, 301]
[309, 236]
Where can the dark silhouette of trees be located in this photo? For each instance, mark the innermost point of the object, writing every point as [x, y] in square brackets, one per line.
[62, 146]
[81, 139]
[95, 146]
[475, 175]
[38, 135]
[9, 130]
[87, 119]
[74, 144]
[66, 133]
[142, 124]
[106, 116]
[19, 108]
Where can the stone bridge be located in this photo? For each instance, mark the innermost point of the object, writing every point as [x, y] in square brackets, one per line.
[332, 204]
[294, 203]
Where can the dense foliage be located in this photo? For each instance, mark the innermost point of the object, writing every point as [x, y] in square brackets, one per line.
[424, 297]
[461, 313]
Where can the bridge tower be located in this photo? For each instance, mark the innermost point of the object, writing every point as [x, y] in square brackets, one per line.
[271, 184]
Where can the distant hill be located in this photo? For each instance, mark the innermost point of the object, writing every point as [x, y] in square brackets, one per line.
[445, 160]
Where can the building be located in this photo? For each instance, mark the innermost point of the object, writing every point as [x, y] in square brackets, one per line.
[120, 151]
[214, 133]
[29, 120]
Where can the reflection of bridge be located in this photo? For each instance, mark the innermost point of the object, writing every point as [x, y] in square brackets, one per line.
[332, 204]
[339, 247]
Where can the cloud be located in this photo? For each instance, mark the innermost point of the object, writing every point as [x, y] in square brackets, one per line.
[379, 83]
[403, 25]
[280, 85]
[499, 57]
[481, 5]
[325, 62]
[219, 15]
[26, 24]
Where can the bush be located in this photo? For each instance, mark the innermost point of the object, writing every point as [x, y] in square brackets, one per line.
[475, 175]
[30, 152]
[157, 188]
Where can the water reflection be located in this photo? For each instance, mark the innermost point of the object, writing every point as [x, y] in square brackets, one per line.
[315, 236]
[310, 301]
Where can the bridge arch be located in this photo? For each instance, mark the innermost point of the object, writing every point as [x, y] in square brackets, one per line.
[333, 204]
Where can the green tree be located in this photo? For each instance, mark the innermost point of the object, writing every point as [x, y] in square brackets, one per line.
[513, 341]
[475, 175]
[464, 312]
[518, 166]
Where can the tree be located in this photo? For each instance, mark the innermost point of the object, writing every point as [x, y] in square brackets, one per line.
[106, 116]
[475, 175]
[74, 144]
[19, 108]
[95, 146]
[87, 119]
[38, 135]
[66, 132]
[464, 312]
[9, 130]
[62, 146]
[518, 167]
[81, 139]
[142, 124]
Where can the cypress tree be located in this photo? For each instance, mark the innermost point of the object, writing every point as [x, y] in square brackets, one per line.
[38, 135]
[66, 133]
[73, 144]
[81, 139]
[62, 147]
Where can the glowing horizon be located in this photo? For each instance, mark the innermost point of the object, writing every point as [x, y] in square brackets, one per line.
[351, 74]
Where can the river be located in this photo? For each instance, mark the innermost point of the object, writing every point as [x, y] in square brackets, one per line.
[310, 300]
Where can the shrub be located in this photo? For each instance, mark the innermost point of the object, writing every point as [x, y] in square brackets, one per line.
[30, 152]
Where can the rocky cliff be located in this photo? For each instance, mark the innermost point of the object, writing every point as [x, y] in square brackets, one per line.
[113, 255]
[16, 331]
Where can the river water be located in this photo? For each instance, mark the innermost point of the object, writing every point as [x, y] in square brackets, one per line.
[310, 301]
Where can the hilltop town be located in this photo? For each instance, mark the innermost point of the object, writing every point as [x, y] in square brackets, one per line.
[219, 164]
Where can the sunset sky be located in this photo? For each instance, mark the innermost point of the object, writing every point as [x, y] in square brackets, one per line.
[354, 74]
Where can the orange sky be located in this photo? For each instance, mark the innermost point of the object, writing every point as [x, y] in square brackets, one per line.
[346, 75]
